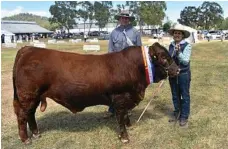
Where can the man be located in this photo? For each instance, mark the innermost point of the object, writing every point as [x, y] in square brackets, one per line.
[85, 37]
[208, 36]
[119, 38]
[124, 35]
[180, 50]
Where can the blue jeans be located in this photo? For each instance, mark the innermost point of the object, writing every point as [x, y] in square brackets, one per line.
[111, 109]
[180, 90]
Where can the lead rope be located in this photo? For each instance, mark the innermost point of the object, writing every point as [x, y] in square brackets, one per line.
[178, 96]
[155, 93]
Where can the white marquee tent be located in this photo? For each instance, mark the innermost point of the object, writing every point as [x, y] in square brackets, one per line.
[9, 37]
[193, 38]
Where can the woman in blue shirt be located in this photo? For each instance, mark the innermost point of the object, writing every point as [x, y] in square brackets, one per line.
[180, 50]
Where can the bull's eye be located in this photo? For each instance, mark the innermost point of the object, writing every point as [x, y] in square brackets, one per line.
[155, 57]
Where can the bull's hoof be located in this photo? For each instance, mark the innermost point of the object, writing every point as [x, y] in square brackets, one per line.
[124, 139]
[129, 125]
[36, 136]
[28, 142]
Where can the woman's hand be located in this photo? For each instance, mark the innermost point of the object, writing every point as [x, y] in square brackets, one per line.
[177, 48]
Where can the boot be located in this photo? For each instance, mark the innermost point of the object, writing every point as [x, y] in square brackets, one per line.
[183, 123]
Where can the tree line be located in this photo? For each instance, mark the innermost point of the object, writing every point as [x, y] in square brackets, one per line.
[207, 16]
[42, 21]
[67, 14]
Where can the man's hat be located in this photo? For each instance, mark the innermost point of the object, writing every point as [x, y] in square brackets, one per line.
[124, 13]
[179, 27]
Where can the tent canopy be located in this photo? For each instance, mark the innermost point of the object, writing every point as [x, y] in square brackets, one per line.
[7, 33]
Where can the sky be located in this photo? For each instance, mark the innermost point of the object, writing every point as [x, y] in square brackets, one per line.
[9, 8]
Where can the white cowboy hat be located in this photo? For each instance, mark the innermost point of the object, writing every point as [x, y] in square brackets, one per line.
[179, 27]
[124, 14]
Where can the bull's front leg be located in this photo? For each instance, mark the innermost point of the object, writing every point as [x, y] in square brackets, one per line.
[127, 120]
[121, 113]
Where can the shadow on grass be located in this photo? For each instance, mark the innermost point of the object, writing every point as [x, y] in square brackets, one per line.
[87, 121]
[65, 121]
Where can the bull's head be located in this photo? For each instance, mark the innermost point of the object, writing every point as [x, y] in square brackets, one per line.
[164, 64]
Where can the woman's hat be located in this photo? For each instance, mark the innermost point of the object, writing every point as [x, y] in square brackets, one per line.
[124, 14]
[179, 27]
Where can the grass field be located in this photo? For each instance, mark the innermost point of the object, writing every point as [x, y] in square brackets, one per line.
[208, 126]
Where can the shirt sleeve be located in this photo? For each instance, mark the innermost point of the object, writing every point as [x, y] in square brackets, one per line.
[184, 57]
[110, 44]
[138, 39]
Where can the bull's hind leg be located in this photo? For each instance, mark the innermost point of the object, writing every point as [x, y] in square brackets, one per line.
[22, 118]
[32, 120]
[25, 110]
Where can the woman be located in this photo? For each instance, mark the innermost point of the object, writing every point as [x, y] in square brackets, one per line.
[180, 50]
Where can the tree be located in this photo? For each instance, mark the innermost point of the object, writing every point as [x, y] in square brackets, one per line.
[152, 12]
[120, 7]
[101, 14]
[64, 13]
[86, 12]
[189, 16]
[109, 6]
[211, 14]
[224, 24]
[166, 26]
[42, 21]
[134, 7]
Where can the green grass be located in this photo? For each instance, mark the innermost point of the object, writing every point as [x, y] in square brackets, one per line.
[208, 126]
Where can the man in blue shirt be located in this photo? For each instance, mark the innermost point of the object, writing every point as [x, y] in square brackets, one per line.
[124, 35]
[180, 50]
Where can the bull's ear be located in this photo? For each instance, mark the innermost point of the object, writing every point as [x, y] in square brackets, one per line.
[152, 53]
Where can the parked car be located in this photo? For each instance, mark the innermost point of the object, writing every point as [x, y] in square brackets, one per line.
[94, 33]
[214, 35]
[157, 35]
[57, 36]
[67, 35]
[225, 36]
[103, 33]
[104, 37]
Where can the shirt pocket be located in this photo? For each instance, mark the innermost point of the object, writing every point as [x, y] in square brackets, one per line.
[118, 43]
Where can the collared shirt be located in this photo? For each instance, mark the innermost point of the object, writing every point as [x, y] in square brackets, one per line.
[118, 41]
[184, 56]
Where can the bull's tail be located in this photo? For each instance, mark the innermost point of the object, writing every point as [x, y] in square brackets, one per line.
[16, 102]
[19, 53]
